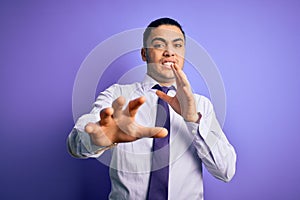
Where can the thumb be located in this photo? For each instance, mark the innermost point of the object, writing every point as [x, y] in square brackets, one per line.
[163, 96]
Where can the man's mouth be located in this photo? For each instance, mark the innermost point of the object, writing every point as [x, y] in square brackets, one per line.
[168, 64]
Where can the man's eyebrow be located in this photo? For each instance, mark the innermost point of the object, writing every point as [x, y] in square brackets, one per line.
[159, 39]
[178, 39]
[165, 41]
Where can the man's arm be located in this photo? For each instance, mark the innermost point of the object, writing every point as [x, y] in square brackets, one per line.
[211, 144]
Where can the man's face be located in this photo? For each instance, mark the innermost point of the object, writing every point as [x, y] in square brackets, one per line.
[165, 46]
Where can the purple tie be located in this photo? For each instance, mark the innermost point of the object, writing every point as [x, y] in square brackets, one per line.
[159, 176]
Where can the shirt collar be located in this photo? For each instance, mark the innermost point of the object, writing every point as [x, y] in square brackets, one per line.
[149, 82]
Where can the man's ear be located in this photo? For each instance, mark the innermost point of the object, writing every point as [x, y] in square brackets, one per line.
[144, 54]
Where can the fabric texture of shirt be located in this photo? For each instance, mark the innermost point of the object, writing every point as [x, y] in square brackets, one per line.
[192, 145]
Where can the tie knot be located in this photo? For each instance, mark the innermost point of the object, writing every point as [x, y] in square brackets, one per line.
[163, 88]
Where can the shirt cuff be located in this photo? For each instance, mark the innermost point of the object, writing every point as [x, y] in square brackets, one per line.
[88, 148]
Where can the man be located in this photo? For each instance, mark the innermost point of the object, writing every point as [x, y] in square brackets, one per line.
[157, 153]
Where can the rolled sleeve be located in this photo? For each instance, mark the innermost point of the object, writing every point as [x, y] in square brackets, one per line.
[80, 144]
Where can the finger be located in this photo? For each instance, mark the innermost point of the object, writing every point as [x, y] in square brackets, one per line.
[163, 96]
[181, 76]
[91, 128]
[153, 132]
[182, 81]
[97, 135]
[178, 79]
[134, 105]
[179, 71]
[106, 116]
[159, 132]
[118, 106]
[175, 70]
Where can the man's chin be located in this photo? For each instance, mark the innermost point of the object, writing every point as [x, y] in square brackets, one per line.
[167, 79]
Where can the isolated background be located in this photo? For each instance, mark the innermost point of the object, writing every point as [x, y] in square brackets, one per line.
[255, 44]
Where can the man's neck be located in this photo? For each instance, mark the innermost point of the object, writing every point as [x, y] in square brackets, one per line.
[164, 83]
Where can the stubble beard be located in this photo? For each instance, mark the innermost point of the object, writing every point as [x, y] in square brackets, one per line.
[161, 74]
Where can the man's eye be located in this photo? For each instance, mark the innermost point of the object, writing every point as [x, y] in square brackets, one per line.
[178, 45]
[159, 46]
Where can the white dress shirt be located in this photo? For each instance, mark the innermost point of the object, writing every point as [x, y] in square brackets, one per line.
[191, 144]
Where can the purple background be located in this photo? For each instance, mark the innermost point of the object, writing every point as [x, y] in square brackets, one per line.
[255, 44]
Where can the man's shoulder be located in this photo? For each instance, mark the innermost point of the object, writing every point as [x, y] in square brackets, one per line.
[123, 89]
[201, 97]
[119, 86]
[203, 101]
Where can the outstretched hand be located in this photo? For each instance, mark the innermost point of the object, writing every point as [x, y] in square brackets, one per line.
[118, 125]
[183, 102]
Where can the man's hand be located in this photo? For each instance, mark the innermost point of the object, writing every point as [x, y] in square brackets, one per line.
[183, 102]
[117, 125]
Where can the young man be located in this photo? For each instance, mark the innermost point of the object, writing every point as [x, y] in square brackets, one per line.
[159, 131]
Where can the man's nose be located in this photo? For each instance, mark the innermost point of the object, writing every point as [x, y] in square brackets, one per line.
[169, 51]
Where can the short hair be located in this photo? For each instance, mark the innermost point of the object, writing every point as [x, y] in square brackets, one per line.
[158, 22]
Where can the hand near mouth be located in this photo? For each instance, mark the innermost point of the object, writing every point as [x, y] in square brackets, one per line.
[183, 102]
